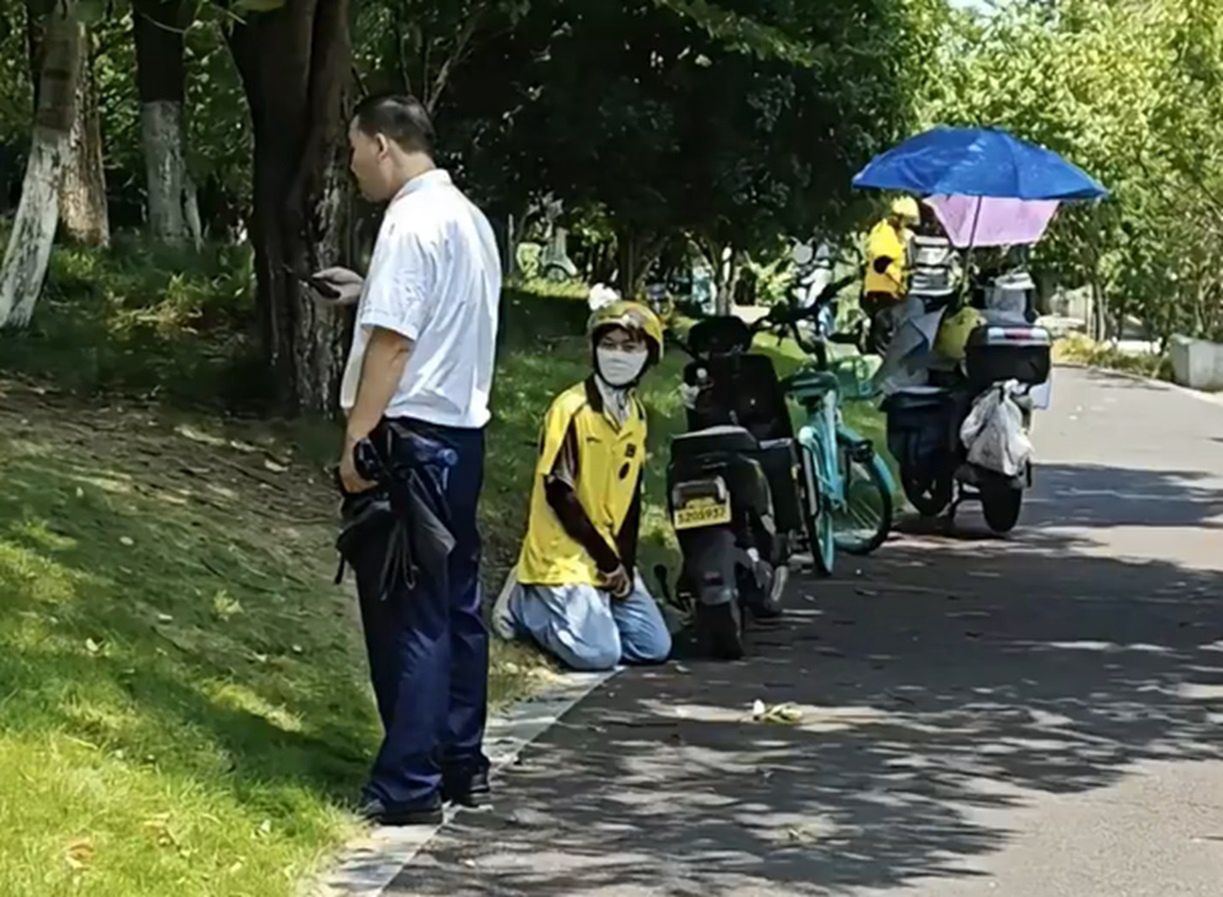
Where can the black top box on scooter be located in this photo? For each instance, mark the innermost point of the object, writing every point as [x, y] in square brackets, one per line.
[995, 353]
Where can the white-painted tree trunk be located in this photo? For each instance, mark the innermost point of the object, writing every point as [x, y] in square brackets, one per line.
[174, 215]
[29, 247]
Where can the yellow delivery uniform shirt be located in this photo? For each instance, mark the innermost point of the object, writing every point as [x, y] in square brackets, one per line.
[885, 241]
[610, 460]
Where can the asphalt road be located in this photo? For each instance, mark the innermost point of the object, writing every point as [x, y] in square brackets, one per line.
[1034, 716]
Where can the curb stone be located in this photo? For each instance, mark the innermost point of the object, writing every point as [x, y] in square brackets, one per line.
[368, 864]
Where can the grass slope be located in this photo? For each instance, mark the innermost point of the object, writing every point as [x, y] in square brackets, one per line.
[183, 698]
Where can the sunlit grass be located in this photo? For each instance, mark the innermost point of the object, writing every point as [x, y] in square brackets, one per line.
[183, 699]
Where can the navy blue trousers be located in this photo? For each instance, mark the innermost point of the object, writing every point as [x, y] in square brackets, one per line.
[428, 652]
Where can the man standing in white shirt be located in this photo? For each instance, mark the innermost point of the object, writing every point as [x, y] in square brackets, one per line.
[416, 389]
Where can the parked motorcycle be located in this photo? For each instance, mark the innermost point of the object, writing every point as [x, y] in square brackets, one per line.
[733, 482]
[926, 424]
[988, 189]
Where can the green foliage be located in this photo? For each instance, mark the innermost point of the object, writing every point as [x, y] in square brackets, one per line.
[138, 319]
[1079, 349]
[219, 142]
[732, 123]
[742, 33]
[416, 45]
[16, 95]
[774, 273]
[1131, 93]
[92, 12]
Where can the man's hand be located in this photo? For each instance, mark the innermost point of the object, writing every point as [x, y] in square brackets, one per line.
[352, 481]
[619, 583]
[337, 287]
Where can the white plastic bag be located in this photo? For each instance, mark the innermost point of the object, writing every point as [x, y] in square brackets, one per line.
[994, 433]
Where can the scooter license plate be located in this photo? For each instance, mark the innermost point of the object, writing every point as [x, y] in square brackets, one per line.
[702, 512]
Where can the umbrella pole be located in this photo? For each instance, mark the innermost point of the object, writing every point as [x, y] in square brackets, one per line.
[968, 253]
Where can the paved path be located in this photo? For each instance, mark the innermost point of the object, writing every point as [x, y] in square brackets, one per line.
[1029, 717]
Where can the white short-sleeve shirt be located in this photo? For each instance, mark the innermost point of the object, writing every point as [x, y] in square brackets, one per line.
[435, 278]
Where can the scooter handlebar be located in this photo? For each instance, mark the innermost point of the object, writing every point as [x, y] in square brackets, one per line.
[786, 315]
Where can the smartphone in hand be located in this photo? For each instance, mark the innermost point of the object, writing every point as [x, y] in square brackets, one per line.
[325, 289]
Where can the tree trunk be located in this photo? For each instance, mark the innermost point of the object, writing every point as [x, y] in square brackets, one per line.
[605, 266]
[82, 193]
[716, 255]
[1099, 310]
[158, 27]
[296, 65]
[29, 248]
[627, 247]
[35, 32]
[636, 252]
[728, 273]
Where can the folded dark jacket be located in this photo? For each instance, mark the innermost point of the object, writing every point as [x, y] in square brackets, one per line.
[400, 530]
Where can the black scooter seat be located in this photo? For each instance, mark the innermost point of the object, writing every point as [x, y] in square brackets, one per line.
[725, 438]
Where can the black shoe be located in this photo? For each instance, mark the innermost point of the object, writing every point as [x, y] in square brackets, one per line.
[469, 790]
[375, 812]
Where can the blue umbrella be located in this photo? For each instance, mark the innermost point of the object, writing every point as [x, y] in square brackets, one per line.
[977, 162]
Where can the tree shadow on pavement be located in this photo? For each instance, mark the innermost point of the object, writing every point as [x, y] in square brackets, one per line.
[939, 689]
[1094, 496]
[1098, 496]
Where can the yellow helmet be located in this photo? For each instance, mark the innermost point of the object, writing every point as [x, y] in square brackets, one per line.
[632, 316]
[906, 207]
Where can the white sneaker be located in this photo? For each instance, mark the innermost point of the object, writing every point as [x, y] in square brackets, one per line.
[502, 618]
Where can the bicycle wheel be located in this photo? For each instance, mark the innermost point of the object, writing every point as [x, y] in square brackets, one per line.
[863, 519]
[817, 515]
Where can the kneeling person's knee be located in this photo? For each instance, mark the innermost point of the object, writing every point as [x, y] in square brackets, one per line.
[580, 630]
[643, 629]
[652, 645]
[592, 658]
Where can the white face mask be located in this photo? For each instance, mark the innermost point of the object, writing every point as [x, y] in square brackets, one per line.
[620, 368]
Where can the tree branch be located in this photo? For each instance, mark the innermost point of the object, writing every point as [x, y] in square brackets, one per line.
[461, 44]
[401, 57]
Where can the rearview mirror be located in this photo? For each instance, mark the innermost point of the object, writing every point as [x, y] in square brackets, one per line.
[802, 253]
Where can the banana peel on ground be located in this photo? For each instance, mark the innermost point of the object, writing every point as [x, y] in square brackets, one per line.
[785, 713]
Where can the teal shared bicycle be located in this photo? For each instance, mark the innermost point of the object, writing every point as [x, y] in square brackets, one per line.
[847, 488]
